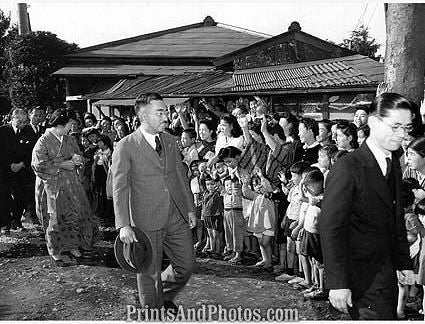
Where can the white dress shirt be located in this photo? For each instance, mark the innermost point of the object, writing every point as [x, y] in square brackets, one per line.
[149, 137]
[379, 155]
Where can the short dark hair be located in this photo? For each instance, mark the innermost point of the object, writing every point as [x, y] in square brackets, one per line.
[229, 152]
[61, 117]
[106, 140]
[327, 123]
[210, 126]
[418, 145]
[293, 121]
[91, 117]
[362, 107]
[298, 167]
[277, 129]
[191, 132]
[145, 99]
[312, 124]
[234, 179]
[329, 149]
[389, 101]
[231, 120]
[314, 177]
[349, 130]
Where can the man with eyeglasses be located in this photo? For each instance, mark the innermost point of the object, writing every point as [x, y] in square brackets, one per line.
[151, 192]
[361, 227]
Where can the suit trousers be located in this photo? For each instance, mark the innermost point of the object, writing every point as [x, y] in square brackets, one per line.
[379, 302]
[234, 229]
[176, 241]
[17, 198]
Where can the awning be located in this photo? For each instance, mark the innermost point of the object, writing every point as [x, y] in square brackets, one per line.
[174, 101]
[130, 102]
[114, 102]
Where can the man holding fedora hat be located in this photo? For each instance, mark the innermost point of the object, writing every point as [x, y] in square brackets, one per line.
[151, 193]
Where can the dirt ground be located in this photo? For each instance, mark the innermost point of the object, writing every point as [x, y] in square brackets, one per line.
[32, 288]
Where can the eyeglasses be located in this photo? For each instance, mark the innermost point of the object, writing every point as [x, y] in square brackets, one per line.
[395, 128]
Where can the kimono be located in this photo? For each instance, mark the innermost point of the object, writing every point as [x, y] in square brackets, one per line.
[61, 203]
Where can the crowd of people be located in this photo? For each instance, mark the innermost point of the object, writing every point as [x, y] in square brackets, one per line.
[257, 179]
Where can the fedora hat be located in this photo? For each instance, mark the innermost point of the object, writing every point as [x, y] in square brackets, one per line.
[135, 257]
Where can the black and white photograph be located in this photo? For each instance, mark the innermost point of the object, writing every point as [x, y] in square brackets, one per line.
[199, 161]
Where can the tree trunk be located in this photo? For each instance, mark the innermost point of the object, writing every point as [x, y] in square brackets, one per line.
[405, 49]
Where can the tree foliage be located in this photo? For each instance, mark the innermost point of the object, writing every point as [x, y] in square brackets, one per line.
[361, 42]
[29, 62]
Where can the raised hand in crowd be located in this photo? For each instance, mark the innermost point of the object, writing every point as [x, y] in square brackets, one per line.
[382, 87]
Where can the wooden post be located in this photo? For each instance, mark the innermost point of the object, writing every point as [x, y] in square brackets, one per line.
[405, 49]
[325, 107]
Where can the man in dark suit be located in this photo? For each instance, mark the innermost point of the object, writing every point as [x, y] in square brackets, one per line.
[32, 132]
[362, 229]
[13, 142]
[151, 191]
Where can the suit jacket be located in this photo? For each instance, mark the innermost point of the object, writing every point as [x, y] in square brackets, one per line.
[143, 188]
[31, 138]
[14, 148]
[361, 223]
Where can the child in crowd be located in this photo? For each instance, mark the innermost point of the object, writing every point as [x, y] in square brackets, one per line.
[197, 187]
[212, 214]
[420, 212]
[310, 241]
[324, 159]
[89, 151]
[189, 151]
[101, 164]
[363, 133]
[297, 235]
[234, 224]
[261, 220]
[290, 221]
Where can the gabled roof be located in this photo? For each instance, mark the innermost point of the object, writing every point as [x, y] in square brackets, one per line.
[291, 37]
[355, 70]
[201, 40]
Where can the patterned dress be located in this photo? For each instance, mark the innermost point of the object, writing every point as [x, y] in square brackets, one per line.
[61, 203]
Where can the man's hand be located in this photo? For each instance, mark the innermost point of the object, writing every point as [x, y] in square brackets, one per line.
[192, 219]
[340, 298]
[406, 277]
[68, 165]
[15, 167]
[127, 235]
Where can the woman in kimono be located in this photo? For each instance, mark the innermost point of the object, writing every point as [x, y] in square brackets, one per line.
[61, 202]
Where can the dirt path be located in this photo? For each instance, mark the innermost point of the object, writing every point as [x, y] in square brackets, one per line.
[34, 289]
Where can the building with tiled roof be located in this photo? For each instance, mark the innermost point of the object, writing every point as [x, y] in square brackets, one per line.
[186, 49]
[296, 71]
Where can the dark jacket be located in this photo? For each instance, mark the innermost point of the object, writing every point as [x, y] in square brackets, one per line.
[361, 223]
[14, 150]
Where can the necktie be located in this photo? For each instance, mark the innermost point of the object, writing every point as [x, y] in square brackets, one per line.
[387, 174]
[158, 146]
